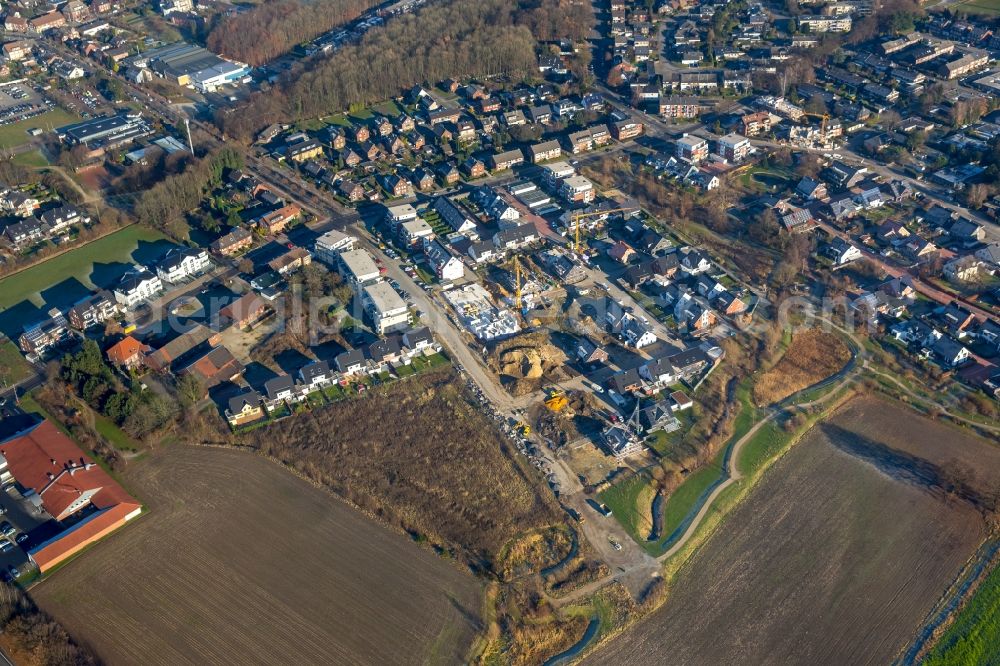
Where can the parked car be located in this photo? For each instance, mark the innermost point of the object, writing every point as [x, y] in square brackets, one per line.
[21, 538]
[6, 546]
[7, 529]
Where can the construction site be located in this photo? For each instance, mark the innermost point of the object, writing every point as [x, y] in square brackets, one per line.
[478, 314]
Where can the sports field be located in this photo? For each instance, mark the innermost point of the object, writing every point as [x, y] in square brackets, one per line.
[16, 134]
[985, 7]
[240, 562]
[68, 277]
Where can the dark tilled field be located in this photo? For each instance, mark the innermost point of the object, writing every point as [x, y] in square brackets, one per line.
[835, 558]
[240, 562]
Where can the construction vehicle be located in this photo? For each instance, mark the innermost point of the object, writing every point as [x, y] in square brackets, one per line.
[557, 400]
[524, 429]
[582, 216]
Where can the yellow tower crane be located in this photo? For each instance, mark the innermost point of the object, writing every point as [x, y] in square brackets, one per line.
[822, 127]
[581, 216]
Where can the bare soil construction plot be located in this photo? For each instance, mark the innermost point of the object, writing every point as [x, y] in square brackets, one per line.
[240, 562]
[836, 558]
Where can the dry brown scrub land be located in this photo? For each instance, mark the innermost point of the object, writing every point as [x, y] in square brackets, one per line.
[241, 562]
[420, 455]
[836, 557]
[812, 356]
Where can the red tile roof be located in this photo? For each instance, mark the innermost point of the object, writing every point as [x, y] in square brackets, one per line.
[120, 352]
[51, 464]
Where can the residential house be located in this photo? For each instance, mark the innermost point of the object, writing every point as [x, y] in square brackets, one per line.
[246, 407]
[505, 160]
[93, 310]
[842, 252]
[182, 263]
[245, 311]
[545, 150]
[137, 286]
[446, 266]
[38, 338]
[316, 375]
[127, 353]
[233, 243]
[213, 366]
[279, 389]
[350, 362]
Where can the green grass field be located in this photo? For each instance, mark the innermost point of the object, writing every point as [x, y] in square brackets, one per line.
[77, 263]
[14, 367]
[986, 7]
[974, 637]
[622, 499]
[16, 134]
[32, 158]
[115, 435]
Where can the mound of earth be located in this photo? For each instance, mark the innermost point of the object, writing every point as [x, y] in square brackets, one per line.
[524, 363]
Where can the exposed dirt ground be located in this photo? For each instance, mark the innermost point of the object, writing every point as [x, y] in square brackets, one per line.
[835, 558]
[240, 562]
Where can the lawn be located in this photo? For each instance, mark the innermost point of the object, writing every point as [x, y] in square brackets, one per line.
[115, 436]
[986, 7]
[16, 134]
[13, 367]
[30, 159]
[78, 263]
[974, 637]
[631, 502]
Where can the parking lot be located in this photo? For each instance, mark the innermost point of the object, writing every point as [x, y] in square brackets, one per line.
[22, 526]
[19, 101]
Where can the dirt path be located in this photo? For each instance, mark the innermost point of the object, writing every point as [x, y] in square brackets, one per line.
[840, 379]
[88, 197]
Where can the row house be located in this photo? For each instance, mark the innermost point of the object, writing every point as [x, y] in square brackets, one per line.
[232, 243]
[589, 139]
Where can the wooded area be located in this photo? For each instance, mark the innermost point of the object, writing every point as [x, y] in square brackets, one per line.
[273, 28]
[166, 202]
[453, 39]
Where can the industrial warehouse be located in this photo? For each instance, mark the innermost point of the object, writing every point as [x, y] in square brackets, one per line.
[189, 65]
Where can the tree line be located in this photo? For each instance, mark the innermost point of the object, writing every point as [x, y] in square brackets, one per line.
[272, 29]
[453, 39]
[34, 636]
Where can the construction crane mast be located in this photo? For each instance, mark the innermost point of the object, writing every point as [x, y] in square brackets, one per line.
[517, 281]
[581, 216]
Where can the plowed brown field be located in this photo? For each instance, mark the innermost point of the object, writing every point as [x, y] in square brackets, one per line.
[241, 562]
[835, 558]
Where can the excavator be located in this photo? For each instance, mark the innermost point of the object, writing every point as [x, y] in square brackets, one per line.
[556, 401]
